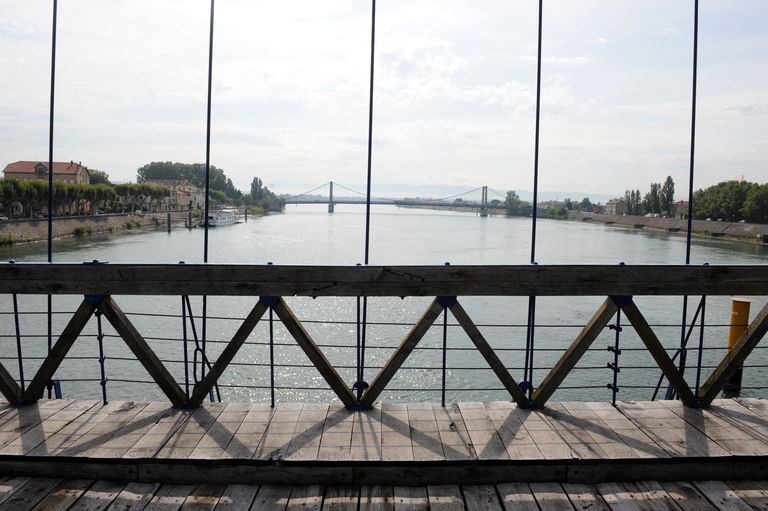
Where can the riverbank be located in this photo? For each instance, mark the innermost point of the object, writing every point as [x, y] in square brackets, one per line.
[757, 233]
[34, 230]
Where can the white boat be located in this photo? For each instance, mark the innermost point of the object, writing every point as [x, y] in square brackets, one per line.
[222, 217]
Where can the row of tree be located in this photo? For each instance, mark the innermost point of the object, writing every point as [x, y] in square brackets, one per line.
[221, 187]
[732, 201]
[69, 198]
[659, 200]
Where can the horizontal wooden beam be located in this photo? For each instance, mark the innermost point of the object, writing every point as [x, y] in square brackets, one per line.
[272, 280]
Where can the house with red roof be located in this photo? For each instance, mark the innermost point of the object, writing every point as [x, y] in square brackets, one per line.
[68, 172]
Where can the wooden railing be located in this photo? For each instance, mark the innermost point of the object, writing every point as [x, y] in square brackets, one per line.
[100, 284]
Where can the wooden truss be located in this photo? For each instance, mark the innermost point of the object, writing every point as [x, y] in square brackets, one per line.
[106, 306]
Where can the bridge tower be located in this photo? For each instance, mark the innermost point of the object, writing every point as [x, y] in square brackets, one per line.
[330, 199]
[484, 203]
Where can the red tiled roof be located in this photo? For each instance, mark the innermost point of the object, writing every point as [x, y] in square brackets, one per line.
[59, 167]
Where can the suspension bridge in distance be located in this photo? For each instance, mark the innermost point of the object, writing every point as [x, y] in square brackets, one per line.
[482, 199]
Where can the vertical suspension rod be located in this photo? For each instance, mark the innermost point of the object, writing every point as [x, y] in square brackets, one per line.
[529, 346]
[50, 169]
[370, 136]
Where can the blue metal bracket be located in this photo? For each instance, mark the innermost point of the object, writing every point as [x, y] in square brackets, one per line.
[622, 301]
[446, 301]
[269, 301]
[94, 300]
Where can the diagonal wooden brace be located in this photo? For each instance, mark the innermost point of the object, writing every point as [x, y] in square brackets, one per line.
[658, 352]
[735, 357]
[489, 355]
[401, 354]
[203, 387]
[59, 350]
[575, 351]
[305, 341]
[142, 351]
[9, 388]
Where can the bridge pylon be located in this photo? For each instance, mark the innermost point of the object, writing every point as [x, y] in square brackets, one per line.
[484, 202]
[331, 205]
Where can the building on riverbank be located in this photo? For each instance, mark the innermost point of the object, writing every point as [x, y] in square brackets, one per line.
[67, 172]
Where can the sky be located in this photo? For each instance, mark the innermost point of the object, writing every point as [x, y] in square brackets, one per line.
[454, 91]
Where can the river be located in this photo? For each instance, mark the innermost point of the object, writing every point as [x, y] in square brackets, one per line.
[307, 234]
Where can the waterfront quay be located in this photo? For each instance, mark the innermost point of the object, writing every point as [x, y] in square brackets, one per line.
[360, 451]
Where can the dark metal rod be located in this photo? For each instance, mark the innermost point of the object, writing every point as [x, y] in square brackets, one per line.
[50, 132]
[359, 377]
[271, 357]
[703, 307]
[370, 135]
[186, 349]
[362, 339]
[445, 355]
[208, 138]
[616, 350]
[18, 340]
[50, 334]
[530, 336]
[536, 139]
[100, 338]
[693, 129]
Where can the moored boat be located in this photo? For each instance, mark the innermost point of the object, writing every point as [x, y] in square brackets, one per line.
[224, 216]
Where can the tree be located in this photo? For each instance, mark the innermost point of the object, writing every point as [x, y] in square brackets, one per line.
[652, 202]
[191, 172]
[755, 207]
[667, 196]
[99, 177]
[723, 201]
[586, 205]
[512, 203]
[256, 189]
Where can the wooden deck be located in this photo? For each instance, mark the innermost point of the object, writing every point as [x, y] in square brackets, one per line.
[421, 443]
[25, 494]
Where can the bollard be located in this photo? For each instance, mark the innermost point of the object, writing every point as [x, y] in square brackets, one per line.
[168, 220]
[189, 219]
[246, 213]
[739, 324]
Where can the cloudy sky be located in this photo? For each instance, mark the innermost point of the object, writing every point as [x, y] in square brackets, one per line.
[454, 91]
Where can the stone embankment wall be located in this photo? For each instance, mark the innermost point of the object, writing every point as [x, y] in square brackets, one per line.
[29, 230]
[741, 230]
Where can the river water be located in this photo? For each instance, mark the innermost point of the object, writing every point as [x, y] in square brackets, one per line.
[307, 234]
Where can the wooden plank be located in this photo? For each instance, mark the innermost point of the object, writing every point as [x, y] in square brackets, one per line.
[203, 498]
[735, 357]
[750, 492]
[142, 351]
[272, 498]
[551, 497]
[63, 495]
[237, 497]
[30, 494]
[517, 497]
[307, 344]
[406, 498]
[453, 280]
[306, 498]
[135, 496]
[722, 496]
[445, 498]
[481, 498]
[401, 354]
[59, 350]
[687, 496]
[489, 355]
[99, 496]
[9, 486]
[378, 498]
[573, 354]
[169, 497]
[202, 388]
[341, 498]
[658, 352]
[8, 386]
[585, 496]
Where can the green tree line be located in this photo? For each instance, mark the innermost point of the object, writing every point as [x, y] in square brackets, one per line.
[71, 198]
[732, 201]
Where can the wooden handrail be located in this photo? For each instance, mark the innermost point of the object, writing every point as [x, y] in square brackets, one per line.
[273, 280]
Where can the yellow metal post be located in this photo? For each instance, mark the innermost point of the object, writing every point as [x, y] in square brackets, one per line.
[739, 324]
